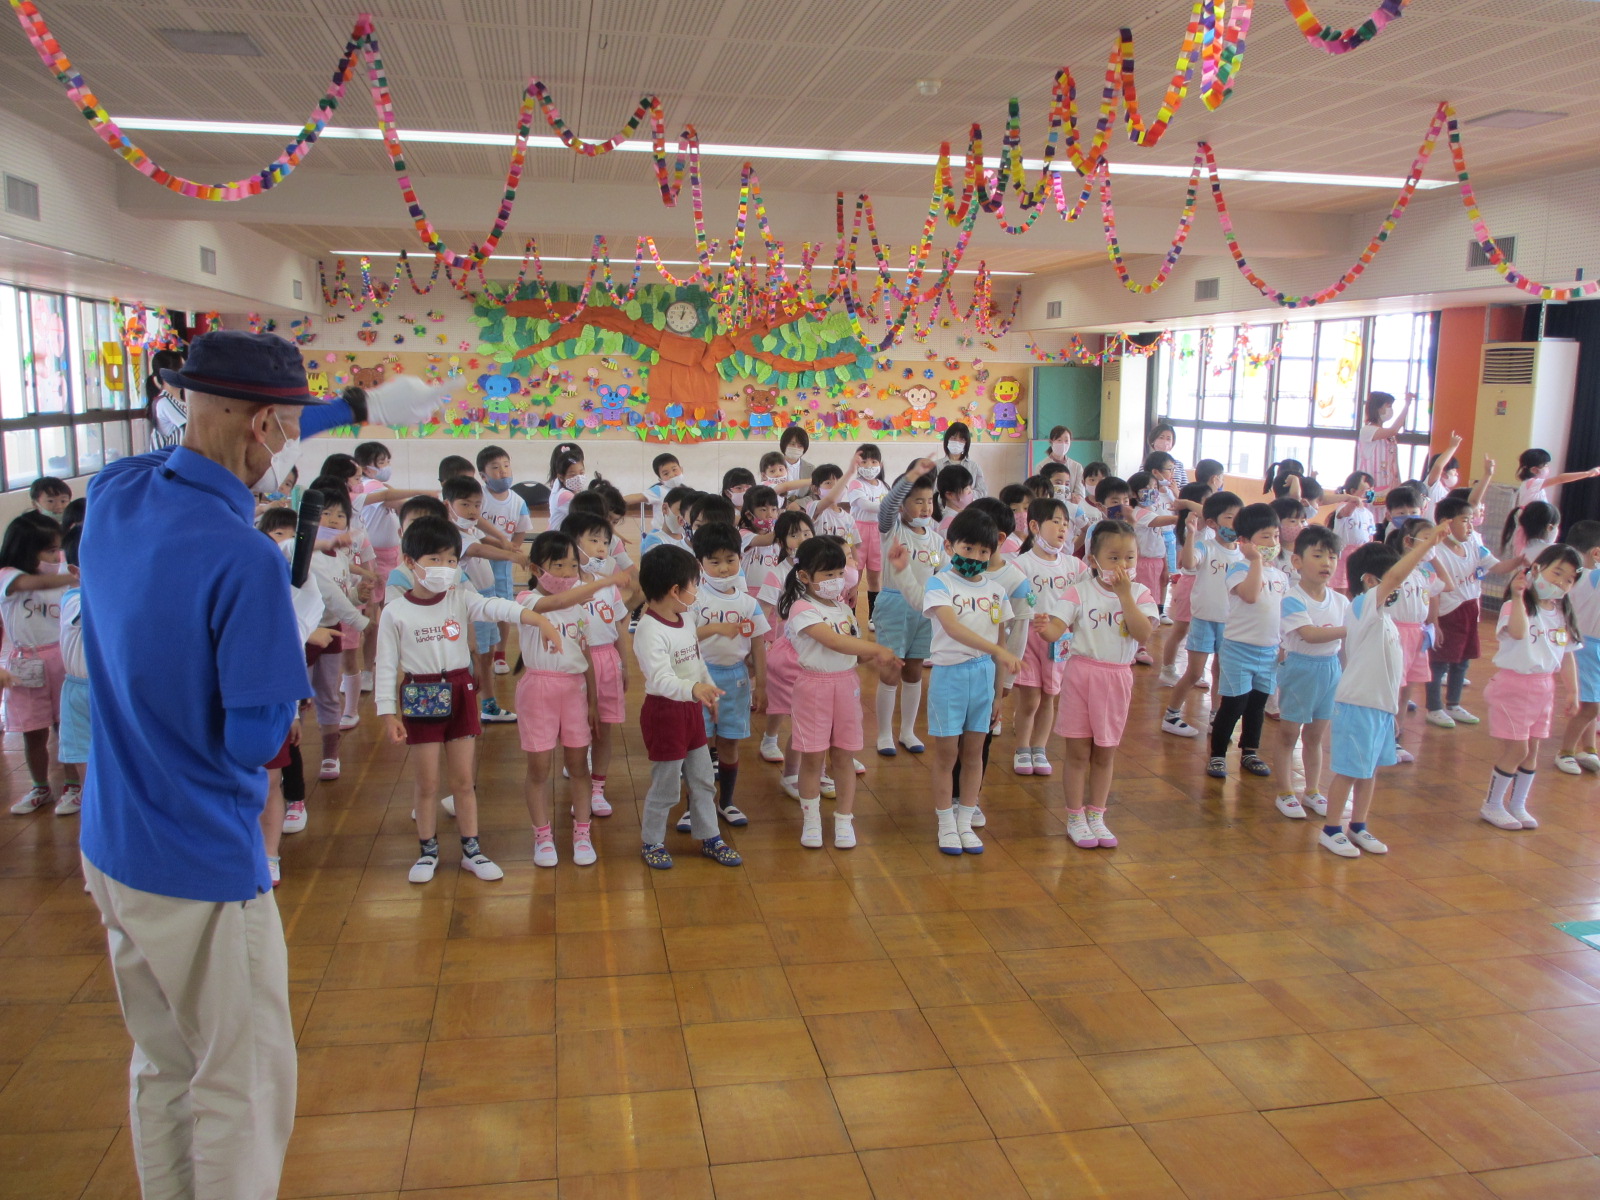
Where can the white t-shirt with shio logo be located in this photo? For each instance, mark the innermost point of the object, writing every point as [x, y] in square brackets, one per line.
[1374, 662]
[1095, 620]
[1050, 577]
[712, 607]
[1539, 653]
[1358, 528]
[813, 655]
[572, 623]
[479, 573]
[507, 513]
[606, 609]
[865, 497]
[1300, 611]
[981, 605]
[1464, 572]
[1258, 622]
[32, 618]
[1416, 592]
[1209, 600]
[926, 548]
[1152, 543]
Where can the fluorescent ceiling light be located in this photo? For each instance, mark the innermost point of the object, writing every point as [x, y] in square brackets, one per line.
[1514, 118]
[787, 153]
[666, 262]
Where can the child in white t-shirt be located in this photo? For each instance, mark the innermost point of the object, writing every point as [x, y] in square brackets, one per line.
[913, 550]
[1462, 562]
[1248, 659]
[482, 545]
[1047, 561]
[864, 493]
[33, 579]
[793, 530]
[1186, 535]
[1578, 752]
[1354, 522]
[1108, 615]
[1211, 557]
[1534, 476]
[1367, 696]
[669, 474]
[507, 512]
[968, 608]
[1414, 612]
[1313, 627]
[1537, 632]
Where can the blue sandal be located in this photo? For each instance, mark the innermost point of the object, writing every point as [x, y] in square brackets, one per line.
[655, 855]
[717, 849]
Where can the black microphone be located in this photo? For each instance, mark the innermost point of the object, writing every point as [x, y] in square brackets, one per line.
[305, 537]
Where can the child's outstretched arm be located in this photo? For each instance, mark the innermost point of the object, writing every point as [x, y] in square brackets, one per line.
[951, 624]
[1481, 487]
[1409, 562]
[1436, 472]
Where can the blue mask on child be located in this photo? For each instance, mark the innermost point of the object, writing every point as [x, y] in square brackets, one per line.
[1227, 533]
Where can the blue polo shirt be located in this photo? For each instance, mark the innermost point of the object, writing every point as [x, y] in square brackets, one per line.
[188, 626]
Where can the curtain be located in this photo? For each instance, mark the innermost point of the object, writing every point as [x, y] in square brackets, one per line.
[1579, 320]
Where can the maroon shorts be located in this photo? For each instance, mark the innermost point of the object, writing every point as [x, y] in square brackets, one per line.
[671, 728]
[463, 719]
[283, 758]
[1458, 635]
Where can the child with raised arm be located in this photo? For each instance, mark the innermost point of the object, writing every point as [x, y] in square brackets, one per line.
[1047, 560]
[1578, 753]
[1248, 657]
[1415, 611]
[1313, 629]
[1534, 476]
[913, 551]
[968, 608]
[1108, 613]
[1368, 694]
[1187, 535]
[1462, 561]
[1537, 634]
[1213, 554]
[677, 693]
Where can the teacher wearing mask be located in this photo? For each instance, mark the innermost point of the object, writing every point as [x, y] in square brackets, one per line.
[198, 669]
[1060, 452]
[958, 453]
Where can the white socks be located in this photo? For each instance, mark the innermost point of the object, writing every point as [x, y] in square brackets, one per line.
[910, 705]
[844, 831]
[1521, 785]
[1499, 787]
[811, 823]
[885, 703]
[350, 685]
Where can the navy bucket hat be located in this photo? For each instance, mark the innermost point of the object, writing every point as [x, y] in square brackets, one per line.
[260, 367]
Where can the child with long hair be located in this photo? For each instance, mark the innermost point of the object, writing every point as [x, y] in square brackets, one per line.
[1368, 694]
[1537, 633]
[793, 530]
[1529, 531]
[826, 715]
[567, 478]
[1353, 521]
[864, 494]
[1578, 752]
[33, 579]
[757, 516]
[1046, 559]
[914, 551]
[1533, 476]
[1187, 536]
[1213, 554]
[1416, 607]
[1108, 613]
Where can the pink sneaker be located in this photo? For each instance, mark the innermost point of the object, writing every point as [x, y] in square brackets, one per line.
[599, 806]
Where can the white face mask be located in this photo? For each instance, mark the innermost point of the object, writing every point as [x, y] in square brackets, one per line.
[594, 565]
[382, 474]
[282, 463]
[1050, 548]
[956, 449]
[830, 589]
[869, 472]
[726, 585]
[922, 523]
[576, 483]
[1059, 449]
[794, 454]
[438, 579]
[1545, 590]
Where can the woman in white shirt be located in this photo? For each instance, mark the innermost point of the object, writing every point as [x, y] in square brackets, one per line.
[958, 452]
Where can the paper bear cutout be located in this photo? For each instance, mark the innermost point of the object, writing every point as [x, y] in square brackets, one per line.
[760, 402]
[368, 377]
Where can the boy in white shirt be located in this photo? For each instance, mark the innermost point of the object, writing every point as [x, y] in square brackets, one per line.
[1248, 657]
[669, 474]
[1313, 628]
[1577, 753]
[482, 545]
[508, 513]
[677, 690]
[1212, 557]
[967, 607]
[424, 687]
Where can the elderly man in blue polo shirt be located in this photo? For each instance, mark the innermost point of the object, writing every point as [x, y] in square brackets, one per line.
[198, 669]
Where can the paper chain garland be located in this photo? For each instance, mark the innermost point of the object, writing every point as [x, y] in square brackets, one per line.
[1333, 42]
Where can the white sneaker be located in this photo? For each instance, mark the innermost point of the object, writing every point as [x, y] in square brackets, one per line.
[422, 869]
[1289, 805]
[1521, 814]
[978, 819]
[1317, 803]
[1338, 843]
[329, 770]
[294, 816]
[1567, 764]
[483, 867]
[949, 841]
[448, 803]
[349, 721]
[544, 852]
[886, 746]
[1367, 842]
[1041, 764]
[770, 750]
[71, 800]
[829, 791]
[1497, 816]
[861, 767]
[1438, 716]
[502, 667]
[912, 743]
[1168, 677]
[1097, 826]
[1179, 727]
[1463, 717]
[274, 870]
[1022, 761]
[599, 806]
[366, 681]
[1588, 761]
[1166, 618]
[1078, 830]
[811, 824]
[844, 831]
[1203, 684]
[790, 785]
[583, 850]
[32, 802]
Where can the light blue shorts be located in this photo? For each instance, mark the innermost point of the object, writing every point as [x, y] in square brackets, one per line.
[733, 709]
[909, 634]
[1306, 683]
[485, 634]
[502, 579]
[74, 732]
[1205, 637]
[1588, 656]
[1169, 535]
[1246, 668]
[961, 698]
[1363, 740]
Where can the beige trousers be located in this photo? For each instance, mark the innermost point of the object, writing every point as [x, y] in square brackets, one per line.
[205, 995]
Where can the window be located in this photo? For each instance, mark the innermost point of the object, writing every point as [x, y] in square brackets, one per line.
[1228, 398]
[66, 407]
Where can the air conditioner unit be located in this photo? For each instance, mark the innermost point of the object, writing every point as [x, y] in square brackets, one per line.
[1525, 393]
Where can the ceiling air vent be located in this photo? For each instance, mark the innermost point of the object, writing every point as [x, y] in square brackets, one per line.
[1478, 257]
[22, 198]
[1207, 289]
[1052, 310]
[1509, 366]
[208, 260]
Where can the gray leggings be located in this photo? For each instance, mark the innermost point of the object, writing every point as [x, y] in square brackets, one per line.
[327, 673]
[1453, 676]
[666, 784]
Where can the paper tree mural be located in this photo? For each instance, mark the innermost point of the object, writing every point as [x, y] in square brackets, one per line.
[675, 332]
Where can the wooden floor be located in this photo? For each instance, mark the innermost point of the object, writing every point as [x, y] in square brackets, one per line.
[1216, 1010]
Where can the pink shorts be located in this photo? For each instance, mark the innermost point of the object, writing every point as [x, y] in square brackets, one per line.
[1037, 669]
[827, 711]
[1341, 578]
[1417, 667]
[387, 560]
[783, 668]
[31, 708]
[1149, 573]
[1180, 606]
[612, 699]
[349, 637]
[552, 706]
[870, 553]
[1520, 705]
[1094, 700]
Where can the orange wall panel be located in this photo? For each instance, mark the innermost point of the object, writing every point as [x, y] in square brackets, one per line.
[1455, 386]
